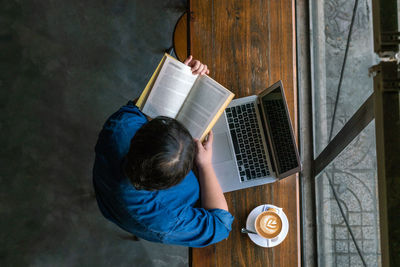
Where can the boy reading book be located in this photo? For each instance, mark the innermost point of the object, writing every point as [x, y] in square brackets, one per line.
[196, 101]
[143, 180]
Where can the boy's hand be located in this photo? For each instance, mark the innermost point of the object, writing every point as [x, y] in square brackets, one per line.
[204, 151]
[197, 66]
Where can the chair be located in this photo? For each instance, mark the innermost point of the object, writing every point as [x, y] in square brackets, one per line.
[180, 38]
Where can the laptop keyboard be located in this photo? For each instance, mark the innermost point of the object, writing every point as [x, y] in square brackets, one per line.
[247, 142]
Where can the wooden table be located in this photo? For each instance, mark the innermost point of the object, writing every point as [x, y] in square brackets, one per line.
[249, 45]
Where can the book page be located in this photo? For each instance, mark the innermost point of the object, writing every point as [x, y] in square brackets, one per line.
[170, 89]
[202, 105]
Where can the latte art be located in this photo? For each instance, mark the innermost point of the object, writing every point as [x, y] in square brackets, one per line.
[268, 224]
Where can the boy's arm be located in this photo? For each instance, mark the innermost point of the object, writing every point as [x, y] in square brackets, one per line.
[200, 227]
[196, 66]
[211, 192]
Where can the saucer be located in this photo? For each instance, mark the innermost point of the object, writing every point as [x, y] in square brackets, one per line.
[263, 242]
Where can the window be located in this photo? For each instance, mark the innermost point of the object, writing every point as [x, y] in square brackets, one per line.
[349, 87]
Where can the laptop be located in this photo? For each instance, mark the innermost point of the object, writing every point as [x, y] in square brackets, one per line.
[254, 142]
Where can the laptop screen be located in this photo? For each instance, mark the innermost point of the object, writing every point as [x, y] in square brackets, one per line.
[285, 154]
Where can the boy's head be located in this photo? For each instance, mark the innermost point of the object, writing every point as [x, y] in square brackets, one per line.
[161, 154]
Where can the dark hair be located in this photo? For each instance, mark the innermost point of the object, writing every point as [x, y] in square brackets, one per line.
[161, 154]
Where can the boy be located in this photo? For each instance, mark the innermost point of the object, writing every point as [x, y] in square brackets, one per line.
[143, 180]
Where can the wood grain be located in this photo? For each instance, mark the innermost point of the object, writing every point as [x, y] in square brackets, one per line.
[249, 45]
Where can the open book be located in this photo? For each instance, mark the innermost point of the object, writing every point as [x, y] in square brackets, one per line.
[195, 101]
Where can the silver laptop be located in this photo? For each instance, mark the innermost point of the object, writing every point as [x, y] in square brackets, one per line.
[254, 142]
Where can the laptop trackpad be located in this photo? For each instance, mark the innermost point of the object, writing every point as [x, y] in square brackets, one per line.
[221, 148]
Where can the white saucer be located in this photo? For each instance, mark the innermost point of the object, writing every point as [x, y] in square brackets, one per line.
[263, 242]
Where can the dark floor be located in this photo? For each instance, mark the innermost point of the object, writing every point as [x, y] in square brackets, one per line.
[65, 66]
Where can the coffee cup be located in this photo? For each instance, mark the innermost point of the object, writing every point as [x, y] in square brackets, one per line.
[268, 224]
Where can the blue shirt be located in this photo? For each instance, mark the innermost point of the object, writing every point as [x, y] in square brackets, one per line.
[166, 216]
